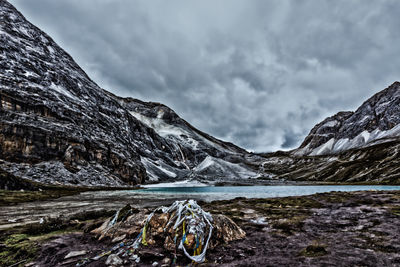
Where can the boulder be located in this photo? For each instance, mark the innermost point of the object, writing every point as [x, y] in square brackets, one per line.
[168, 231]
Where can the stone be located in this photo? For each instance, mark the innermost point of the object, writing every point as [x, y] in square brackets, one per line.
[114, 260]
[166, 261]
[226, 230]
[73, 254]
[135, 258]
[153, 253]
[118, 238]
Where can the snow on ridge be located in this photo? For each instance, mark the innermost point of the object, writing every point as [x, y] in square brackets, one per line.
[183, 135]
[363, 139]
[51, 50]
[162, 128]
[166, 130]
[30, 74]
[330, 124]
[366, 117]
[159, 171]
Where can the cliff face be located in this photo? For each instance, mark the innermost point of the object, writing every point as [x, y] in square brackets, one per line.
[58, 126]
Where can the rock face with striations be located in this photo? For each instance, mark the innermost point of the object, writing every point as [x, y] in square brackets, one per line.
[58, 126]
[376, 120]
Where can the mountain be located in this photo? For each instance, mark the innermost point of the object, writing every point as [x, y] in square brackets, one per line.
[59, 126]
[377, 120]
[360, 146]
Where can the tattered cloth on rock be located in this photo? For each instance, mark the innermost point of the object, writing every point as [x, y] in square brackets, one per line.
[183, 226]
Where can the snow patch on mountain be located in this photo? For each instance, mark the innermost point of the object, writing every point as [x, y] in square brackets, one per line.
[330, 124]
[157, 169]
[364, 139]
[215, 165]
[179, 134]
[166, 130]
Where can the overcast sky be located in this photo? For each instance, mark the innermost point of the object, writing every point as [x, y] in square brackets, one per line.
[259, 74]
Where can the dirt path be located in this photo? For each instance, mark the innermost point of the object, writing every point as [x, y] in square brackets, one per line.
[32, 212]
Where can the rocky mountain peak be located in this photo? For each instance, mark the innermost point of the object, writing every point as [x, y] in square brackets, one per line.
[325, 130]
[377, 119]
[45, 64]
[381, 111]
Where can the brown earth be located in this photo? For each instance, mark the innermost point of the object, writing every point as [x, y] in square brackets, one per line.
[328, 229]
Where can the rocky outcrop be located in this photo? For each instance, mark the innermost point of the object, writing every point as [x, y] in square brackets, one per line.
[174, 231]
[10, 182]
[326, 130]
[58, 126]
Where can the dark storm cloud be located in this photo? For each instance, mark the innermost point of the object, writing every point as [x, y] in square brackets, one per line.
[256, 73]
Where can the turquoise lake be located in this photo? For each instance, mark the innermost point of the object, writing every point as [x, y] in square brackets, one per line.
[209, 193]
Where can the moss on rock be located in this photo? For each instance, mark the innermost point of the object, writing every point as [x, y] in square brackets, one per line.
[17, 248]
[314, 250]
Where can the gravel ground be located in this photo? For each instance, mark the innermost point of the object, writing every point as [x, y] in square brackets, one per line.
[329, 229]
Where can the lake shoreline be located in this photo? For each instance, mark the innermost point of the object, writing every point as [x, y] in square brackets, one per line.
[97, 200]
[47, 192]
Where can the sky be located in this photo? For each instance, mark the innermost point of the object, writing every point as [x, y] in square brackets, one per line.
[258, 73]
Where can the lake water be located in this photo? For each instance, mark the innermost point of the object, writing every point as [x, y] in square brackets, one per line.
[209, 193]
[29, 212]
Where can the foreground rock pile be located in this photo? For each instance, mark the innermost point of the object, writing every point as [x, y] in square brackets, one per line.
[180, 233]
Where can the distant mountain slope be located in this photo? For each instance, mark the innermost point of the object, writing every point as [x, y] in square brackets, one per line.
[379, 163]
[376, 120]
[58, 126]
[360, 146]
[200, 155]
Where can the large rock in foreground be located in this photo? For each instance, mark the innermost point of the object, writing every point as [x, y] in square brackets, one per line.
[182, 229]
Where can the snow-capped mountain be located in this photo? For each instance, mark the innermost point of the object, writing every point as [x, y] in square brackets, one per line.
[58, 126]
[360, 146]
[377, 120]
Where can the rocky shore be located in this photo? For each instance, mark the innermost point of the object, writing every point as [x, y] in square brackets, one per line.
[339, 228]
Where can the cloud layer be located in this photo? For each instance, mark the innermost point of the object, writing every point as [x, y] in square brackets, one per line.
[257, 73]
